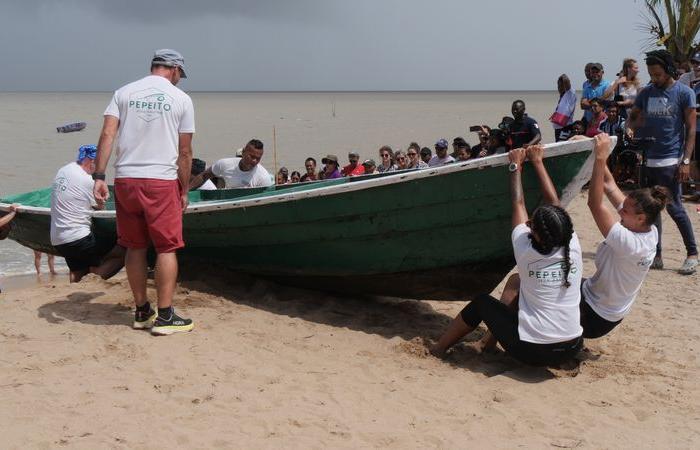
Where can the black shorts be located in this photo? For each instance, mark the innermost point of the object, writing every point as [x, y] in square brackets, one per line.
[593, 325]
[84, 253]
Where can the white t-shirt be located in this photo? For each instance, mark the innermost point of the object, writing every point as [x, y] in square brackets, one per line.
[622, 261]
[207, 186]
[437, 161]
[151, 113]
[548, 310]
[71, 204]
[228, 169]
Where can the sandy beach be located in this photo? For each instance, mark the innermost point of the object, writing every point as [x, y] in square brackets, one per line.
[269, 367]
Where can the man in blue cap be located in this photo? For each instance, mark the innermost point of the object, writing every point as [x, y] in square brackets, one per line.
[441, 157]
[152, 121]
[72, 203]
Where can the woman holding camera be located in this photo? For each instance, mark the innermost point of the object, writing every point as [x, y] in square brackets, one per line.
[625, 87]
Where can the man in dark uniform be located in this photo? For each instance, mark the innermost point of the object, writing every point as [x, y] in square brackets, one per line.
[524, 130]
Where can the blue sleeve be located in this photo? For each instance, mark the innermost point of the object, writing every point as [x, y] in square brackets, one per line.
[688, 99]
[641, 99]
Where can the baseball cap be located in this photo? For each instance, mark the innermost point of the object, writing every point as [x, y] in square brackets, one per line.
[442, 143]
[353, 153]
[369, 162]
[695, 57]
[330, 158]
[597, 66]
[170, 58]
[87, 151]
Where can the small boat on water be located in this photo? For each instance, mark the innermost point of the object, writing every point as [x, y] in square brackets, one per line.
[436, 233]
[71, 127]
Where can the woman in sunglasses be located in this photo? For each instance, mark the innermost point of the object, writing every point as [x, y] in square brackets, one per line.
[386, 160]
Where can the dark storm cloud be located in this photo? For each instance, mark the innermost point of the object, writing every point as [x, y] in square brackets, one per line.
[160, 10]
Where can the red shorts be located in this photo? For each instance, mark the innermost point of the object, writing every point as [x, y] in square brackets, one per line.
[149, 210]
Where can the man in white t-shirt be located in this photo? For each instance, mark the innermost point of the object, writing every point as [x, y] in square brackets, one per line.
[72, 202]
[441, 157]
[243, 172]
[154, 121]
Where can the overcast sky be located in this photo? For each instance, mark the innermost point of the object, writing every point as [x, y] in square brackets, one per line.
[242, 45]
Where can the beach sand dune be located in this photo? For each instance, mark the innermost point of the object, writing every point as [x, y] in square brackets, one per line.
[269, 366]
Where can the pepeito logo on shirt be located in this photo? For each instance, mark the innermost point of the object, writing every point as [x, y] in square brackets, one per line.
[61, 184]
[150, 104]
[547, 273]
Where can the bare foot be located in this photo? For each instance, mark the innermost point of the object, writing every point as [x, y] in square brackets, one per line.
[437, 352]
[487, 344]
[78, 275]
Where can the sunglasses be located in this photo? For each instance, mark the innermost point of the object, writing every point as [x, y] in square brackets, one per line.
[385, 155]
[401, 158]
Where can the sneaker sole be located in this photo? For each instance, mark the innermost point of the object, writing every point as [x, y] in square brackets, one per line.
[171, 329]
[145, 325]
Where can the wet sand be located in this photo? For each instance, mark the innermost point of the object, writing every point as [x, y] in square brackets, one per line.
[270, 366]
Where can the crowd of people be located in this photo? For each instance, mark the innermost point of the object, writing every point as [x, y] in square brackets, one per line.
[545, 310]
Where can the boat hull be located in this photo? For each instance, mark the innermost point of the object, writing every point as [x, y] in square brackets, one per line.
[442, 235]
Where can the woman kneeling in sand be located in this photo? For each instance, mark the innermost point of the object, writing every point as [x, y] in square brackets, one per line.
[537, 320]
[623, 258]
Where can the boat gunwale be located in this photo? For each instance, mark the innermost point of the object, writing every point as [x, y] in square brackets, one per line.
[554, 149]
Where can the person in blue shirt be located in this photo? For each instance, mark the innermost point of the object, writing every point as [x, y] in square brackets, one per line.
[595, 88]
[665, 111]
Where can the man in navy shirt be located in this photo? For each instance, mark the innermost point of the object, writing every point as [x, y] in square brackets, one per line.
[665, 110]
[524, 130]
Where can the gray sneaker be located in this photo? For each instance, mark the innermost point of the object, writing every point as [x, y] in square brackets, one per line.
[689, 267]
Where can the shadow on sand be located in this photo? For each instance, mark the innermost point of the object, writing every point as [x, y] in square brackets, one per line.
[78, 307]
[412, 320]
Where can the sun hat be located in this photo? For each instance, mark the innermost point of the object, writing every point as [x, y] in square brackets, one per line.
[369, 162]
[170, 58]
[329, 159]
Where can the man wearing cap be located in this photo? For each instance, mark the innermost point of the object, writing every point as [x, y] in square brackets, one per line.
[665, 111]
[154, 121]
[243, 172]
[441, 157]
[353, 168]
[330, 169]
[458, 143]
[72, 203]
[594, 88]
[370, 167]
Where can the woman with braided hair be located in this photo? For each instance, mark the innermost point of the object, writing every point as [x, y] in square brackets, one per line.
[624, 257]
[537, 320]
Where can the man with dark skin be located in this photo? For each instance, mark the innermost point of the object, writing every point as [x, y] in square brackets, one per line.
[524, 130]
[245, 171]
[665, 111]
[310, 175]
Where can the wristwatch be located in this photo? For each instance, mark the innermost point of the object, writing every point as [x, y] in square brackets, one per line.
[686, 161]
[512, 167]
[98, 176]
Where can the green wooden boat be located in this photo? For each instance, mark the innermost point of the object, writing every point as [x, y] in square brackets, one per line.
[438, 233]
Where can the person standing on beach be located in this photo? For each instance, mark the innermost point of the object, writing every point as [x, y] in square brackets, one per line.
[665, 111]
[594, 87]
[50, 260]
[155, 123]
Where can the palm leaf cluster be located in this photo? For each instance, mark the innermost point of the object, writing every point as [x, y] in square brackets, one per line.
[673, 24]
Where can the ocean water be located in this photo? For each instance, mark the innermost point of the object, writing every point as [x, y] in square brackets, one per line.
[303, 124]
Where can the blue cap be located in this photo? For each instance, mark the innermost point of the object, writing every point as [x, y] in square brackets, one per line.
[87, 151]
[442, 143]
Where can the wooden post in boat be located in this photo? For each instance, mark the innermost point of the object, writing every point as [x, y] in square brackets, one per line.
[274, 150]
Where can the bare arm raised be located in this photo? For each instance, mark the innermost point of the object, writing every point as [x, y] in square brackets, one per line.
[603, 217]
[517, 197]
[535, 153]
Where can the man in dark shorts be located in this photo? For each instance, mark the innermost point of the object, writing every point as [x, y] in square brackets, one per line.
[154, 122]
[72, 203]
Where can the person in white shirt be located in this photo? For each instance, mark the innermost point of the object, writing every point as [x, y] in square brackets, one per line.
[243, 172]
[441, 157]
[153, 123]
[72, 203]
[537, 320]
[623, 258]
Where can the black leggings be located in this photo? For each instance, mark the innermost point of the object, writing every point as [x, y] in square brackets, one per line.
[503, 324]
[593, 325]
